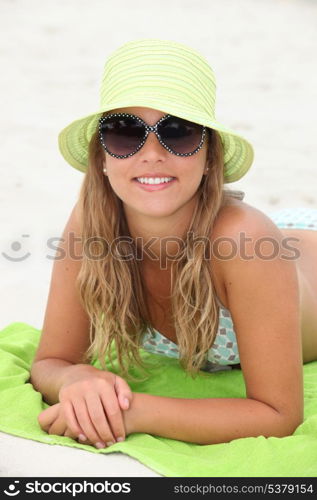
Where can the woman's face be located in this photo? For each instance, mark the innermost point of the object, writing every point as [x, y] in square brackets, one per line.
[153, 160]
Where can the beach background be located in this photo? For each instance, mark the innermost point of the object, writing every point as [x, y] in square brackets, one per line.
[52, 55]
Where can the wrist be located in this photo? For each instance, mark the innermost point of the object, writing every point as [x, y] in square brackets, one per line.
[131, 415]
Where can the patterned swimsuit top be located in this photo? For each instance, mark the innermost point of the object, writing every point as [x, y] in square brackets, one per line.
[223, 352]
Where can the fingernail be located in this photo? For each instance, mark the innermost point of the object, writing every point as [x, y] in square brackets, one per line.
[82, 437]
[126, 402]
[100, 445]
[119, 439]
[110, 443]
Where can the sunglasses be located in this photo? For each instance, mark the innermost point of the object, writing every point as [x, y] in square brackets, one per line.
[122, 134]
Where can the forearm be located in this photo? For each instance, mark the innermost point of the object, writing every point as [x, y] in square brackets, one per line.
[205, 421]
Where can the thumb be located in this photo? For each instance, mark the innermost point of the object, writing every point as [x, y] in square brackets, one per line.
[124, 393]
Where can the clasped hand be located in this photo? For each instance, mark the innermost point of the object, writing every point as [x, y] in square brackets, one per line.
[93, 407]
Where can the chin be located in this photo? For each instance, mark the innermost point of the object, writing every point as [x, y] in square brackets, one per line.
[158, 212]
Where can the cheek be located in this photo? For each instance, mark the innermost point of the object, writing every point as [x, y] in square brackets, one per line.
[119, 177]
[118, 171]
[193, 172]
[194, 184]
[120, 187]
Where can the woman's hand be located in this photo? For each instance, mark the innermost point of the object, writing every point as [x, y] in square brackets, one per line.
[90, 402]
[53, 421]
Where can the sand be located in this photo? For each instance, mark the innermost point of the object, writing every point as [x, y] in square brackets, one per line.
[52, 55]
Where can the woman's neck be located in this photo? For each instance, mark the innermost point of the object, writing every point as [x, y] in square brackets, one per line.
[159, 238]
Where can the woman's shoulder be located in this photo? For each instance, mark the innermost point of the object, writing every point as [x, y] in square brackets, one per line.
[237, 216]
[240, 231]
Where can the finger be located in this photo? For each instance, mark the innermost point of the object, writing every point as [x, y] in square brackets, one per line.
[46, 417]
[83, 416]
[72, 420]
[58, 427]
[123, 392]
[80, 441]
[100, 418]
[70, 434]
[114, 415]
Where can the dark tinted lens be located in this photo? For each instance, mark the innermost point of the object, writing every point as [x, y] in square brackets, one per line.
[122, 135]
[180, 135]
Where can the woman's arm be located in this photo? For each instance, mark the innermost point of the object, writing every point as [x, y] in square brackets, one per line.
[65, 331]
[204, 421]
[263, 299]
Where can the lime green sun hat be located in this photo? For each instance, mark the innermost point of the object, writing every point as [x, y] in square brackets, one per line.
[164, 75]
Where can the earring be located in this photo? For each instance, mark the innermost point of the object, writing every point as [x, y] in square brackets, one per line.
[104, 170]
[207, 169]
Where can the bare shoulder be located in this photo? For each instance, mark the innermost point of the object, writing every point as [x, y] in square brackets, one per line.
[240, 228]
[240, 232]
[238, 215]
[75, 220]
[244, 237]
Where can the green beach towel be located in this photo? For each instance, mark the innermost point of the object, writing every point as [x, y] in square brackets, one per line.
[292, 456]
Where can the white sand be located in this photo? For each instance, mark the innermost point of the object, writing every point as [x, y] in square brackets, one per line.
[52, 55]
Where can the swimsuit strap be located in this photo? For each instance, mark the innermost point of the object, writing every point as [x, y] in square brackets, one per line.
[235, 193]
[220, 304]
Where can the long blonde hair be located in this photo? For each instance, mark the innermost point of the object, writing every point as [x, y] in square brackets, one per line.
[112, 289]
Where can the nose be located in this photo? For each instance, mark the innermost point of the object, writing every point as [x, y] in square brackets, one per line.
[152, 146]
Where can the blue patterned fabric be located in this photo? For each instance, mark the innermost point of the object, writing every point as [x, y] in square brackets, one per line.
[295, 218]
[224, 351]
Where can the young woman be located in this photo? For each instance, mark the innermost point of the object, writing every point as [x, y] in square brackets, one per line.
[158, 254]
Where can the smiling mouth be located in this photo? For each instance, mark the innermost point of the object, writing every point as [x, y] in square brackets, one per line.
[154, 181]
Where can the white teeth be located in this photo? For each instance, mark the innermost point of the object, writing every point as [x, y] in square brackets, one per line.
[156, 180]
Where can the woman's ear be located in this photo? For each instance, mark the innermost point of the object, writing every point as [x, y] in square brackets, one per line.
[208, 153]
[104, 166]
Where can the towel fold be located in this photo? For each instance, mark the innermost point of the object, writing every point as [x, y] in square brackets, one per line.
[292, 456]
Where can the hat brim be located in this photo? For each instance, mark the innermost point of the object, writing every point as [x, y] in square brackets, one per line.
[74, 140]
